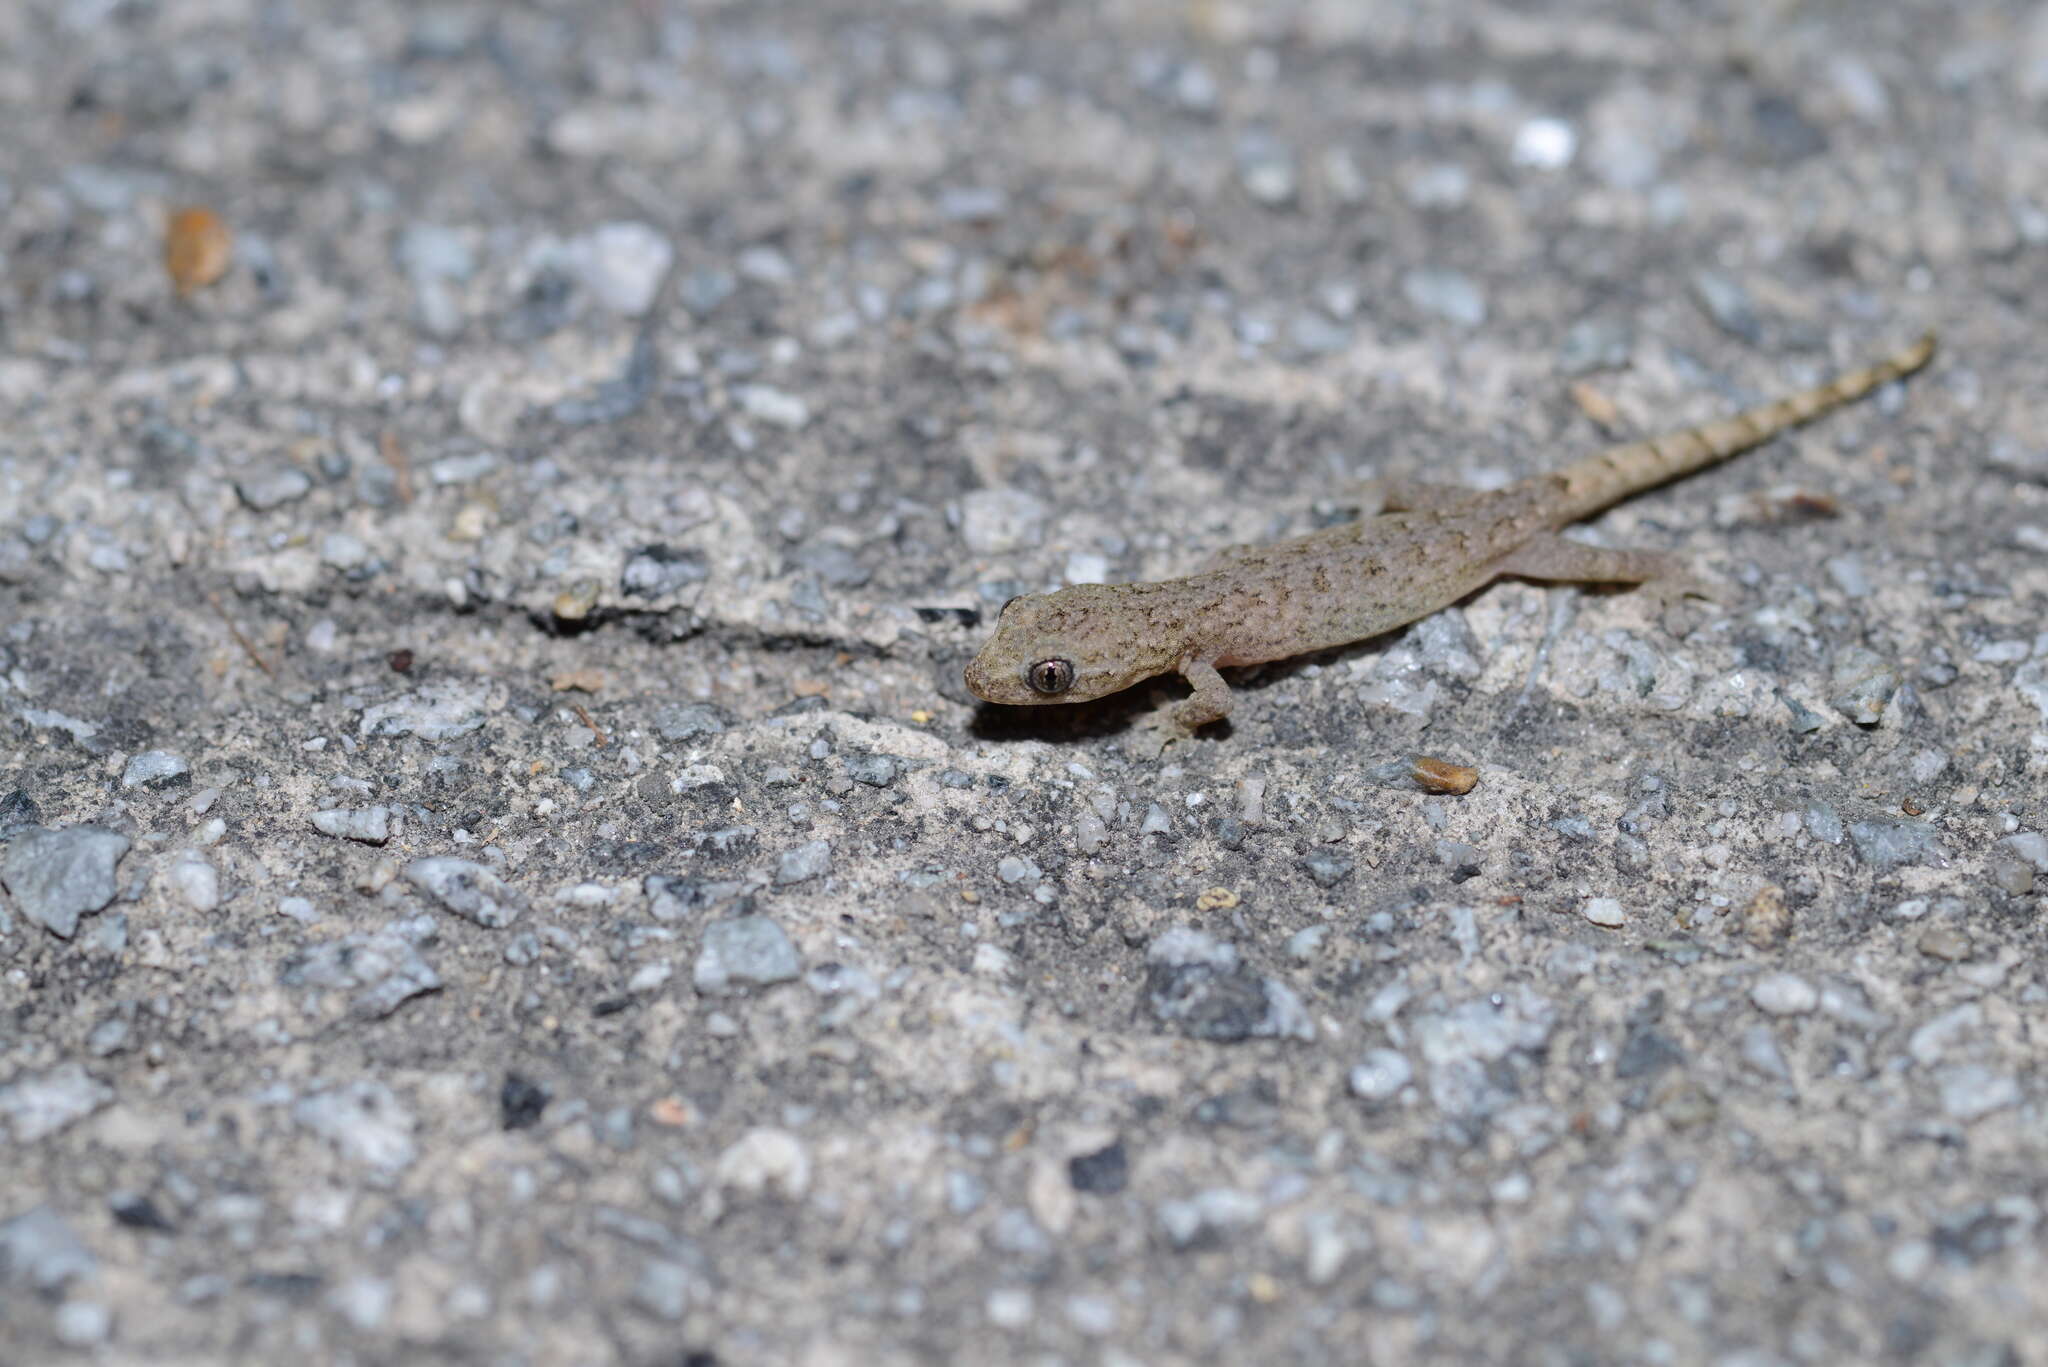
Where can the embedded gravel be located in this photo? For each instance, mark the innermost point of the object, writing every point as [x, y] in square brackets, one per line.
[497, 862]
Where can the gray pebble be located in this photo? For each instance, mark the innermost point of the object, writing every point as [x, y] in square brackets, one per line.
[1198, 985]
[765, 265]
[877, 771]
[155, 769]
[702, 291]
[688, 721]
[745, 951]
[1266, 170]
[837, 566]
[1825, 822]
[370, 825]
[437, 712]
[427, 251]
[2009, 875]
[1863, 683]
[1896, 842]
[1440, 188]
[343, 551]
[1314, 335]
[1728, 304]
[1383, 1074]
[807, 861]
[111, 1036]
[1465, 861]
[653, 571]
[663, 1289]
[1304, 944]
[1847, 572]
[18, 812]
[676, 899]
[2031, 847]
[39, 1250]
[57, 876]
[263, 490]
[1445, 293]
[972, 203]
[82, 1324]
[1970, 1091]
[1785, 994]
[36, 1105]
[449, 471]
[365, 1302]
[2030, 681]
[1595, 344]
[383, 968]
[1194, 88]
[1014, 868]
[1805, 721]
[622, 265]
[196, 881]
[15, 560]
[775, 407]
[2006, 453]
[469, 890]
[1759, 1046]
[1327, 868]
[1207, 1216]
[366, 1123]
[994, 521]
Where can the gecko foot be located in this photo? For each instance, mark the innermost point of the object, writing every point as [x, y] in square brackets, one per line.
[1152, 733]
[1168, 723]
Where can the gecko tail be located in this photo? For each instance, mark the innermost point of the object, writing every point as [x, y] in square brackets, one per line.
[1614, 474]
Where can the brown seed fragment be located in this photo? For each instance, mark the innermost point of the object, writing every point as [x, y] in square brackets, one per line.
[1767, 921]
[1596, 405]
[579, 680]
[1442, 776]
[197, 249]
[574, 603]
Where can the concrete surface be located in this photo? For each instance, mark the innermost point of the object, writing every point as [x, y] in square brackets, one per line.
[499, 864]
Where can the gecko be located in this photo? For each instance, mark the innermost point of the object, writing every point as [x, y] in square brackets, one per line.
[1429, 546]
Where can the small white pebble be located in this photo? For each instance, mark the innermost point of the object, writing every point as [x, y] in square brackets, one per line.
[81, 1324]
[1009, 1308]
[1605, 911]
[1546, 144]
[1785, 994]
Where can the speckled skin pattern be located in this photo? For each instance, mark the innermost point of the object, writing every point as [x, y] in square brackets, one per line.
[1431, 547]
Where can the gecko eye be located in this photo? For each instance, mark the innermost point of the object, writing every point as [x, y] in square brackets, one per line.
[1050, 676]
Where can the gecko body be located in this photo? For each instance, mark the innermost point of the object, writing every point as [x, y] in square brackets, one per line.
[1431, 546]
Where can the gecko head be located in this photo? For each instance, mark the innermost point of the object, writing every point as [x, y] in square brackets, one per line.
[1081, 642]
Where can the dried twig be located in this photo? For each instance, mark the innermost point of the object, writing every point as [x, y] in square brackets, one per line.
[395, 455]
[240, 639]
[591, 722]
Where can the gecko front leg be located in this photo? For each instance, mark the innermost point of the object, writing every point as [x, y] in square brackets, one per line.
[1179, 720]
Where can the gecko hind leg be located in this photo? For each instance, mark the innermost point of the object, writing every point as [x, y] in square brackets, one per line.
[1557, 559]
[1179, 720]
